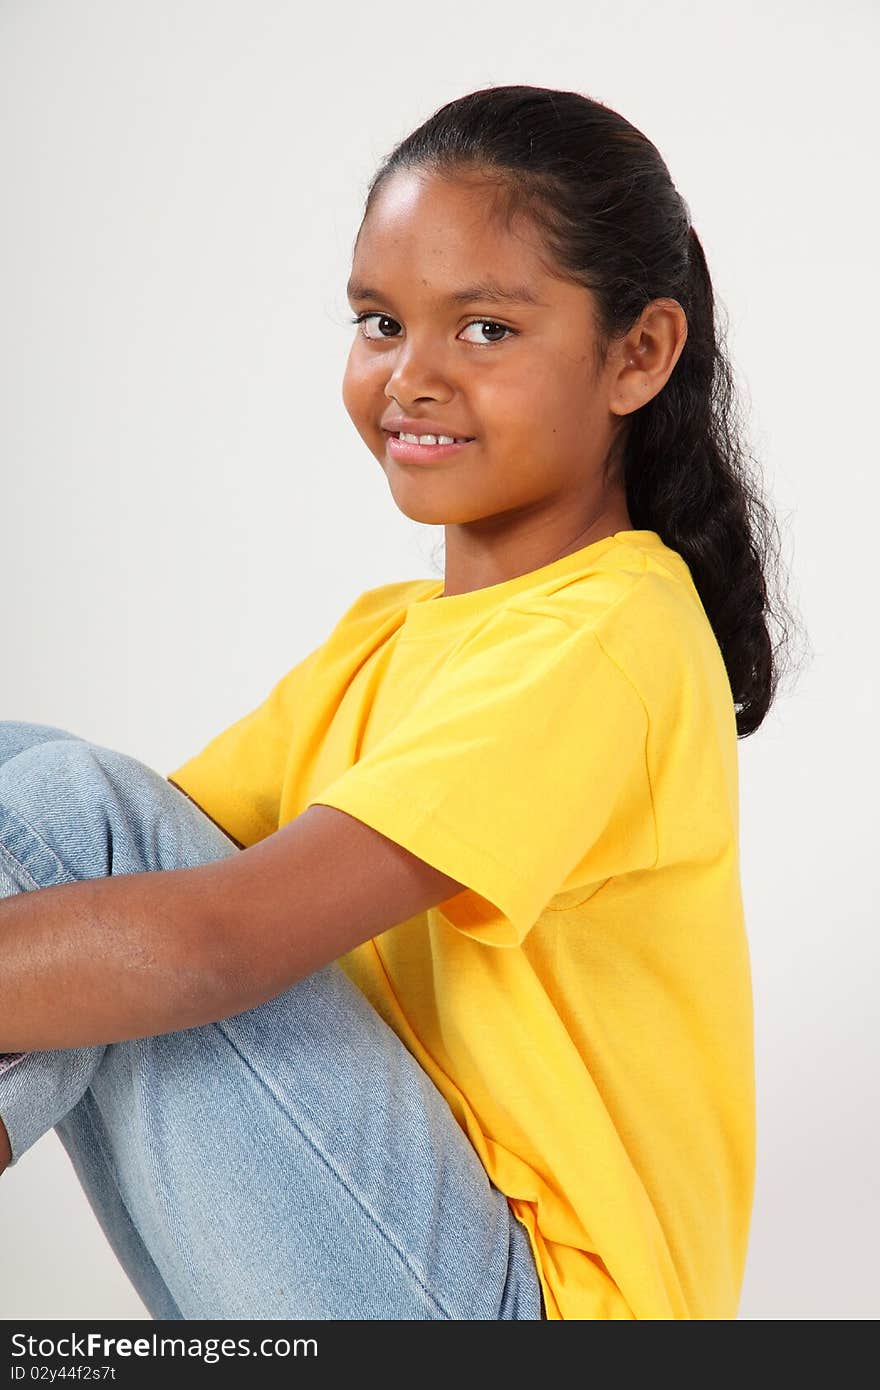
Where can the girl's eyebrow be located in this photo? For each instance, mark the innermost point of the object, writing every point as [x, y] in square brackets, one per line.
[487, 290]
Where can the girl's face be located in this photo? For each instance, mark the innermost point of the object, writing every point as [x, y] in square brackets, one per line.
[509, 365]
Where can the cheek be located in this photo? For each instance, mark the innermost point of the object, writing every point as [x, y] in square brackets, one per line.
[356, 393]
[522, 395]
[559, 406]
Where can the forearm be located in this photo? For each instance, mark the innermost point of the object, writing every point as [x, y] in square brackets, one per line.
[112, 958]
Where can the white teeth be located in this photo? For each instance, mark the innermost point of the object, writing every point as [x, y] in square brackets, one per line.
[429, 439]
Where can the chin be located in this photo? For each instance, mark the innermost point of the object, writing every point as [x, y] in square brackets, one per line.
[427, 515]
[413, 498]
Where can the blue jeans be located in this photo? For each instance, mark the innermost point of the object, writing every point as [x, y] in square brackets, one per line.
[293, 1161]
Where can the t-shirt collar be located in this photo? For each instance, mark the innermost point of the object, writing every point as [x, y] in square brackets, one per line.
[431, 611]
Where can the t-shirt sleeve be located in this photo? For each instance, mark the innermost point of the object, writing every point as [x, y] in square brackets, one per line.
[521, 772]
[238, 776]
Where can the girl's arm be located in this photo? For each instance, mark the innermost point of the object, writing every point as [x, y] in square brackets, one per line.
[138, 954]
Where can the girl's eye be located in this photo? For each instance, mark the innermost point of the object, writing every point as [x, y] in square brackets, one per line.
[488, 323]
[385, 319]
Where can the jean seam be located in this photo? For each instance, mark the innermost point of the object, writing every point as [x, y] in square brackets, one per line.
[356, 1197]
[7, 857]
[62, 873]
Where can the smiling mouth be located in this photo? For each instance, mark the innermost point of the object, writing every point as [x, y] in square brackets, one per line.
[433, 439]
[405, 451]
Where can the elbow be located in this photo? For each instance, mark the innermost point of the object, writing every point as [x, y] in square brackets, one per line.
[210, 975]
[225, 969]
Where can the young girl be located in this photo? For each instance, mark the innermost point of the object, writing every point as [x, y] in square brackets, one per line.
[423, 990]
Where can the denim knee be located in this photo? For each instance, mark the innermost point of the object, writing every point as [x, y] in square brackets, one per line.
[99, 811]
[71, 810]
[58, 805]
[17, 735]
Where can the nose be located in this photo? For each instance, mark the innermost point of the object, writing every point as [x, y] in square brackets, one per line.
[416, 375]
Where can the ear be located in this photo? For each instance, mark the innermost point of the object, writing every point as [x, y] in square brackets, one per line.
[645, 358]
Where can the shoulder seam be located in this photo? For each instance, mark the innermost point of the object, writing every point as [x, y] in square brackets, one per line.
[523, 606]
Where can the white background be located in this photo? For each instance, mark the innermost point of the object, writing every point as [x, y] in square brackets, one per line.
[187, 508]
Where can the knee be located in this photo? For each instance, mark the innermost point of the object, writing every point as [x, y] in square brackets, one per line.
[16, 736]
[49, 772]
[78, 799]
[105, 812]
[62, 768]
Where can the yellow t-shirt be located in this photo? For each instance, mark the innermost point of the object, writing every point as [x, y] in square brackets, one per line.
[563, 743]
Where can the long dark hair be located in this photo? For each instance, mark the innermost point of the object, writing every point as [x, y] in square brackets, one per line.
[613, 221]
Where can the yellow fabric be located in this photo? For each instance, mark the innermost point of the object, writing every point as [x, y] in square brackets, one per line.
[564, 744]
